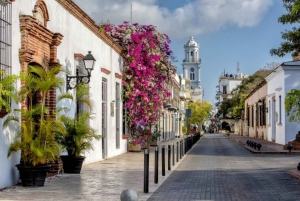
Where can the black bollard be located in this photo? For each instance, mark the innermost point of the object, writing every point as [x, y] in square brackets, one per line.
[177, 152]
[180, 150]
[156, 166]
[183, 147]
[173, 154]
[146, 170]
[163, 165]
[169, 157]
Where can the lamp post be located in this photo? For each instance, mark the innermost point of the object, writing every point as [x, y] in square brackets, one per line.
[89, 63]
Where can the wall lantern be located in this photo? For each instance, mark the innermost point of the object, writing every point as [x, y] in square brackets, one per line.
[89, 63]
[260, 103]
[266, 109]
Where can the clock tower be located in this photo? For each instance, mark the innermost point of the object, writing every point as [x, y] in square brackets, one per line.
[191, 68]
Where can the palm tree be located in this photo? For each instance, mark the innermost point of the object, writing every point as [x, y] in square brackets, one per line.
[7, 90]
[79, 134]
[36, 139]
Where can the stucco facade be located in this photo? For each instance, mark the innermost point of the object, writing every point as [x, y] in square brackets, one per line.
[256, 116]
[61, 36]
[281, 81]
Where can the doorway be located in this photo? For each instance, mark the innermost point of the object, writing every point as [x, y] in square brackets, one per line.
[273, 121]
[104, 118]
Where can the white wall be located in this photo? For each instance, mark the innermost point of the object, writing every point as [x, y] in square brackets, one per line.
[77, 39]
[279, 83]
[292, 81]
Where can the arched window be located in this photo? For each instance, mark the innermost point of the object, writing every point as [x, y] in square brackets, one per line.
[192, 76]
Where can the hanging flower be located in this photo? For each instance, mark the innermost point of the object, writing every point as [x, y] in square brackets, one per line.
[147, 71]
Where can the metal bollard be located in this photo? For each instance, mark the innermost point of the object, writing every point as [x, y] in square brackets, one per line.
[177, 152]
[173, 153]
[156, 166]
[146, 170]
[129, 195]
[185, 145]
[163, 165]
[169, 157]
[180, 149]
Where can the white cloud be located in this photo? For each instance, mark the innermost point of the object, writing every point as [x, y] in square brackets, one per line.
[194, 18]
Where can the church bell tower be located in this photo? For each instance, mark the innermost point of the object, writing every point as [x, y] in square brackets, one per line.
[191, 68]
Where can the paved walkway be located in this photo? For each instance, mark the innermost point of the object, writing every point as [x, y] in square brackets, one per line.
[218, 168]
[104, 180]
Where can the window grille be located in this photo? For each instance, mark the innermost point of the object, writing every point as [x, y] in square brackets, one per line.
[5, 38]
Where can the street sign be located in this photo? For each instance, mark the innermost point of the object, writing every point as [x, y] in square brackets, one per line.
[188, 113]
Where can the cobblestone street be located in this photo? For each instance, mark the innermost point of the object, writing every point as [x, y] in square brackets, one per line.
[220, 169]
[216, 168]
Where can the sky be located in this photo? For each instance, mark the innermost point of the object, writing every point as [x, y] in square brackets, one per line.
[228, 31]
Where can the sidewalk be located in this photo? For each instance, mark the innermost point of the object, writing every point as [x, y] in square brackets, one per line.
[267, 148]
[103, 180]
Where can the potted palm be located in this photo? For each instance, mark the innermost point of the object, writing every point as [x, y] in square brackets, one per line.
[79, 134]
[35, 139]
[7, 92]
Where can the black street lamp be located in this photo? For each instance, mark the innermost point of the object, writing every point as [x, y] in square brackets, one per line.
[89, 63]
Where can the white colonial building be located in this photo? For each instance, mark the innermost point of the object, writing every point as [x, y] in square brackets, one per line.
[192, 67]
[227, 83]
[281, 81]
[46, 33]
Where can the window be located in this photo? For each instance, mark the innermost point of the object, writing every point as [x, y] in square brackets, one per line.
[104, 117]
[252, 116]
[124, 118]
[117, 115]
[269, 112]
[279, 109]
[248, 115]
[192, 76]
[224, 89]
[257, 115]
[5, 38]
[264, 114]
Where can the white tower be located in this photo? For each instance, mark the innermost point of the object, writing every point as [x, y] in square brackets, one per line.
[191, 68]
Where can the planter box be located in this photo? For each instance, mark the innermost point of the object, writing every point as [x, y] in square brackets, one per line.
[153, 142]
[134, 147]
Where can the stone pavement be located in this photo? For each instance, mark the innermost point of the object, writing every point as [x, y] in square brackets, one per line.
[103, 180]
[218, 168]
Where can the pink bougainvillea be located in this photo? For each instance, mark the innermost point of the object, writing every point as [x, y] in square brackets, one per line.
[147, 72]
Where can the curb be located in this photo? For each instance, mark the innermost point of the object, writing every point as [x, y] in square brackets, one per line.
[295, 173]
[253, 151]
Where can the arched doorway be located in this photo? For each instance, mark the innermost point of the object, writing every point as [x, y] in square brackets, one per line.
[225, 126]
